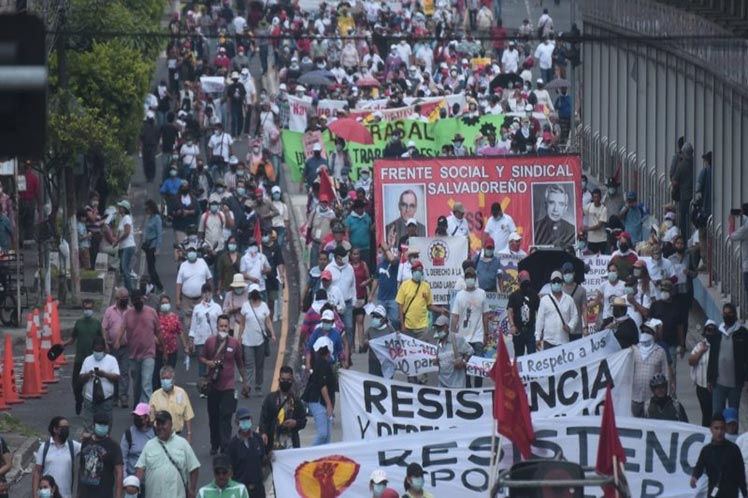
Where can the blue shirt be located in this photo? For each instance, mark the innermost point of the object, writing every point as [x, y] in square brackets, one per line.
[387, 281]
[171, 185]
[310, 169]
[486, 271]
[153, 232]
[335, 337]
[82, 231]
[359, 227]
[633, 224]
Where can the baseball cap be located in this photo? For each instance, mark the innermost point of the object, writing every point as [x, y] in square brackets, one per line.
[379, 311]
[567, 267]
[221, 462]
[670, 215]
[416, 265]
[275, 189]
[141, 409]
[730, 414]
[523, 276]
[556, 275]
[631, 196]
[323, 342]
[328, 316]
[101, 418]
[326, 275]
[666, 285]
[619, 301]
[243, 412]
[515, 236]
[488, 242]
[441, 321]
[411, 221]
[131, 481]
[378, 476]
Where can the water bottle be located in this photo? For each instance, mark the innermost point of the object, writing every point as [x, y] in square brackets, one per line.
[186, 363]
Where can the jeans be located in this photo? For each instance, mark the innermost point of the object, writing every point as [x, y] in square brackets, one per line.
[150, 260]
[123, 361]
[77, 386]
[142, 376]
[496, 7]
[348, 323]
[524, 342]
[276, 160]
[91, 409]
[314, 253]
[705, 402]
[281, 232]
[202, 369]
[221, 407]
[323, 423]
[125, 266]
[248, 121]
[477, 351]
[722, 394]
[547, 74]
[393, 314]
[254, 360]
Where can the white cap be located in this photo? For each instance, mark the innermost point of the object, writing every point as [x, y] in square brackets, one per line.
[328, 315]
[150, 115]
[379, 114]
[653, 323]
[253, 287]
[411, 143]
[282, 87]
[411, 221]
[323, 342]
[233, 160]
[529, 108]
[539, 81]
[234, 75]
[275, 189]
[131, 481]
[316, 147]
[515, 236]
[300, 88]
[378, 476]
[245, 70]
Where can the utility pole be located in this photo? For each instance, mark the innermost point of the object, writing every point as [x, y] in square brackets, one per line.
[573, 79]
[67, 180]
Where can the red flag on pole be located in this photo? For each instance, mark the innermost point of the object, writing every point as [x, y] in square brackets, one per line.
[258, 232]
[510, 407]
[610, 453]
[326, 186]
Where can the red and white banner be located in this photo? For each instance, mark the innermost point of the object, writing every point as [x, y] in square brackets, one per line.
[541, 194]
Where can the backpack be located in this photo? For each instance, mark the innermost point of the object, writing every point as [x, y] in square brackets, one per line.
[71, 447]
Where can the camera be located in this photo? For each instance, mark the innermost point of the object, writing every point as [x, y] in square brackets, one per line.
[216, 373]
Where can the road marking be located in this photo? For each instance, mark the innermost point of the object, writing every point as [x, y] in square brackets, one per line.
[281, 341]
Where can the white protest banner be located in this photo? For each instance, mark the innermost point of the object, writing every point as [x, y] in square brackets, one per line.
[442, 259]
[660, 456]
[373, 407]
[328, 107]
[298, 108]
[212, 84]
[598, 274]
[408, 354]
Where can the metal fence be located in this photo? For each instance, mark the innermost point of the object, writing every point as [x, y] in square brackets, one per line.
[723, 54]
[603, 159]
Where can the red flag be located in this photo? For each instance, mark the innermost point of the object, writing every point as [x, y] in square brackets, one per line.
[325, 186]
[258, 233]
[510, 407]
[609, 445]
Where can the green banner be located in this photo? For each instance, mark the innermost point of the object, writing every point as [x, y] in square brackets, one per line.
[428, 137]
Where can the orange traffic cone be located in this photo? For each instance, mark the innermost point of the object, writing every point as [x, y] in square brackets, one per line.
[32, 385]
[10, 391]
[37, 335]
[50, 308]
[45, 365]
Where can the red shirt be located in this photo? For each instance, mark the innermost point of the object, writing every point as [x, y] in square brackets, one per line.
[230, 356]
[171, 328]
[498, 33]
[361, 272]
[141, 328]
[32, 187]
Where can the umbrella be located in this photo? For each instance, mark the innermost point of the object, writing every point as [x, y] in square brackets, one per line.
[55, 351]
[316, 78]
[367, 81]
[506, 80]
[351, 130]
[557, 84]
[543, 262]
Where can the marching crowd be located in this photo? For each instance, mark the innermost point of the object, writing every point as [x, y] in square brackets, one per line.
[231, 225]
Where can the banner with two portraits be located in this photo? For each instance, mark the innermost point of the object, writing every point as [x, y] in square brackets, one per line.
[540, 193]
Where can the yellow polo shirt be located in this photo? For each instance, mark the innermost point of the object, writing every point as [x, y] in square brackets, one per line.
[177, 403]
[417, 311]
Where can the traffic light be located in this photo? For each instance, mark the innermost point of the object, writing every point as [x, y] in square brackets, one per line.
[23, 86]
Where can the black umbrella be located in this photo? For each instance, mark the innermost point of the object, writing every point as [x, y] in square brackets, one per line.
[55, 351]
[543, 262]
[506, 80]
[320, 78]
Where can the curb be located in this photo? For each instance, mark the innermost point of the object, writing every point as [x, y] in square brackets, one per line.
[22, 457]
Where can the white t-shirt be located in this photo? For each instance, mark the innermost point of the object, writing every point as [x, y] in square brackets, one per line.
[609, 291]
[58, 464]
[344, 279]
[500, 230]
[189, 155]
[253, 266]
[596, 215]
[107, 364]
[469, 306]
[192, 276]
[282, 218]
[254, 323]
[544, 55]
[220, 145]
[204, 321]
[510, 61]
[128, 241]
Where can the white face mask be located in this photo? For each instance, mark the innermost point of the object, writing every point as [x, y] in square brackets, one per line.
[223, 335]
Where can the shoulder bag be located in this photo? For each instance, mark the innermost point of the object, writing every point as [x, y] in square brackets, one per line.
[181, 475]
[405, 311]
[205, 383]
[265, 335]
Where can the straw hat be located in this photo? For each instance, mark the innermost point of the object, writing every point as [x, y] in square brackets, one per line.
[238, 281]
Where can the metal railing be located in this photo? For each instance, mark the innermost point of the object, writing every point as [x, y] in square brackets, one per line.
[700, 38]
[723, 258]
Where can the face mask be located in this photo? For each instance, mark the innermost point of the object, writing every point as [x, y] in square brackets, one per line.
[45, 493]
[252, 250]
[64, 433]
[470, 283]
[245, 425]
[581, 245]
[556, 287]
[276, 196]
[378, 489]
[192, 256]
[584, 185]
[628, 291]
[219, 190]
[364, 176]
[223, 335]
[173, 173]
[440, 334]
[266, 239]
[99, 355]
[285, 385]
[232, 247]
[416, 483]
[488, 253]
[326, 325]
[213, 208]
[637, 273]
[88, 313]
[123, 303]
[417, 276]
[101, 430]
[240, 172]
[255, 150]
[130, 495]
[665, 295]
[167, 384]
[612, 276]
[240, 191]
[612, 190]
[322, 208]
[729, 320]
[376, 322]
[623, 247]
[217, 132]
[668, 223]
[568, 277]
